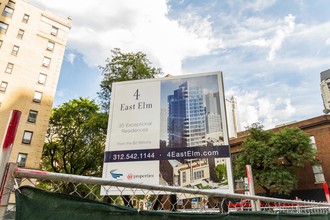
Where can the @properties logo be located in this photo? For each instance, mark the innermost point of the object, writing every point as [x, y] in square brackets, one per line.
[115, 175]
[130, 176]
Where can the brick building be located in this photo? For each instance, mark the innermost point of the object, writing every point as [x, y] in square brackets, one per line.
[310, 178]
[32, 45]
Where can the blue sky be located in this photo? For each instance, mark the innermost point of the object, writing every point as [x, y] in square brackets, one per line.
[271, 52]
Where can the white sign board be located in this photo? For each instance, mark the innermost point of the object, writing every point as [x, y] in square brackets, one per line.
[170, 131]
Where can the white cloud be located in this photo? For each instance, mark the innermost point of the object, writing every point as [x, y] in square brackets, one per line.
[258, 42]
[327, 42]
[239, 38]
[254, 107]
[282, 32]
[71, 57]
[247, 109]
[258, 5]
[269, 34]
[134, 26]
[260, 32]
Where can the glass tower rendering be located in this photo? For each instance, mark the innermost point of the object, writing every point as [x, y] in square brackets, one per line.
[186, 117]
[212, 110]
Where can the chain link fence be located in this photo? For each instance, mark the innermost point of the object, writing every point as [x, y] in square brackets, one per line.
[152, 197]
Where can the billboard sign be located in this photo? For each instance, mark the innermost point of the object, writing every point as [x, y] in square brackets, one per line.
[169, 131]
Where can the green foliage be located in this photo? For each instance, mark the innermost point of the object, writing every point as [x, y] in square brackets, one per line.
[200, 186]
[274, 157]
[75, 139]
[122, 67]
[220, 172]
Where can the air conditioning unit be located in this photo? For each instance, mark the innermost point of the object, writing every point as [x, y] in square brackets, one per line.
[31, 119]
[21, 164]
[26, 141]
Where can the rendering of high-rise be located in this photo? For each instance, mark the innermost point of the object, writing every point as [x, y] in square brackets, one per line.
[32, 45]
[325, 90]
[186, 117]
[213, 117]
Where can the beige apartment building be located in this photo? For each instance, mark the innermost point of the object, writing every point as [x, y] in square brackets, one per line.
[325, 90]
[32, 45]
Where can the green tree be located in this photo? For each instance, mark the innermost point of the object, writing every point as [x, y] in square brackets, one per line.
[220, 172]
[75, 139]
[274, 157]
[122, 67]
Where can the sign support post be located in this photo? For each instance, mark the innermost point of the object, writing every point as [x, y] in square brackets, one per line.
[326, 191]
[255, 205]
[5, 151]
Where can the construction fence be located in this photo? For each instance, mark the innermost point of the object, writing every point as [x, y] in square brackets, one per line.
[46, 195]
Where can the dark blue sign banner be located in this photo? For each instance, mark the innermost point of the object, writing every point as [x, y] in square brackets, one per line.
[167, 154]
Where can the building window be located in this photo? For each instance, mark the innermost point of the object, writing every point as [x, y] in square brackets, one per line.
[27, 137]
[0, 43]
[3, 86]
[37, 97]
[20, 34]
[32, 116]
[328, 84]
[54, 31]
[239, 184]
[46, 61]
[8, 12]
[11, 4]
[184, 177]
[317, 169]
[199, 174]
[3, 27]
[313, 142]
[25, 18]
[9, 68]
[42, 78]
[318, 174]
[15, 50]
[50, 46]
[21, 159]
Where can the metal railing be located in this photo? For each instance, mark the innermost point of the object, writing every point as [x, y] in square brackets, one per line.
[156, 197]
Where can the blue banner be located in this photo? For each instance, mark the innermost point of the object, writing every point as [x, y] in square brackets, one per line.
[167, 154]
